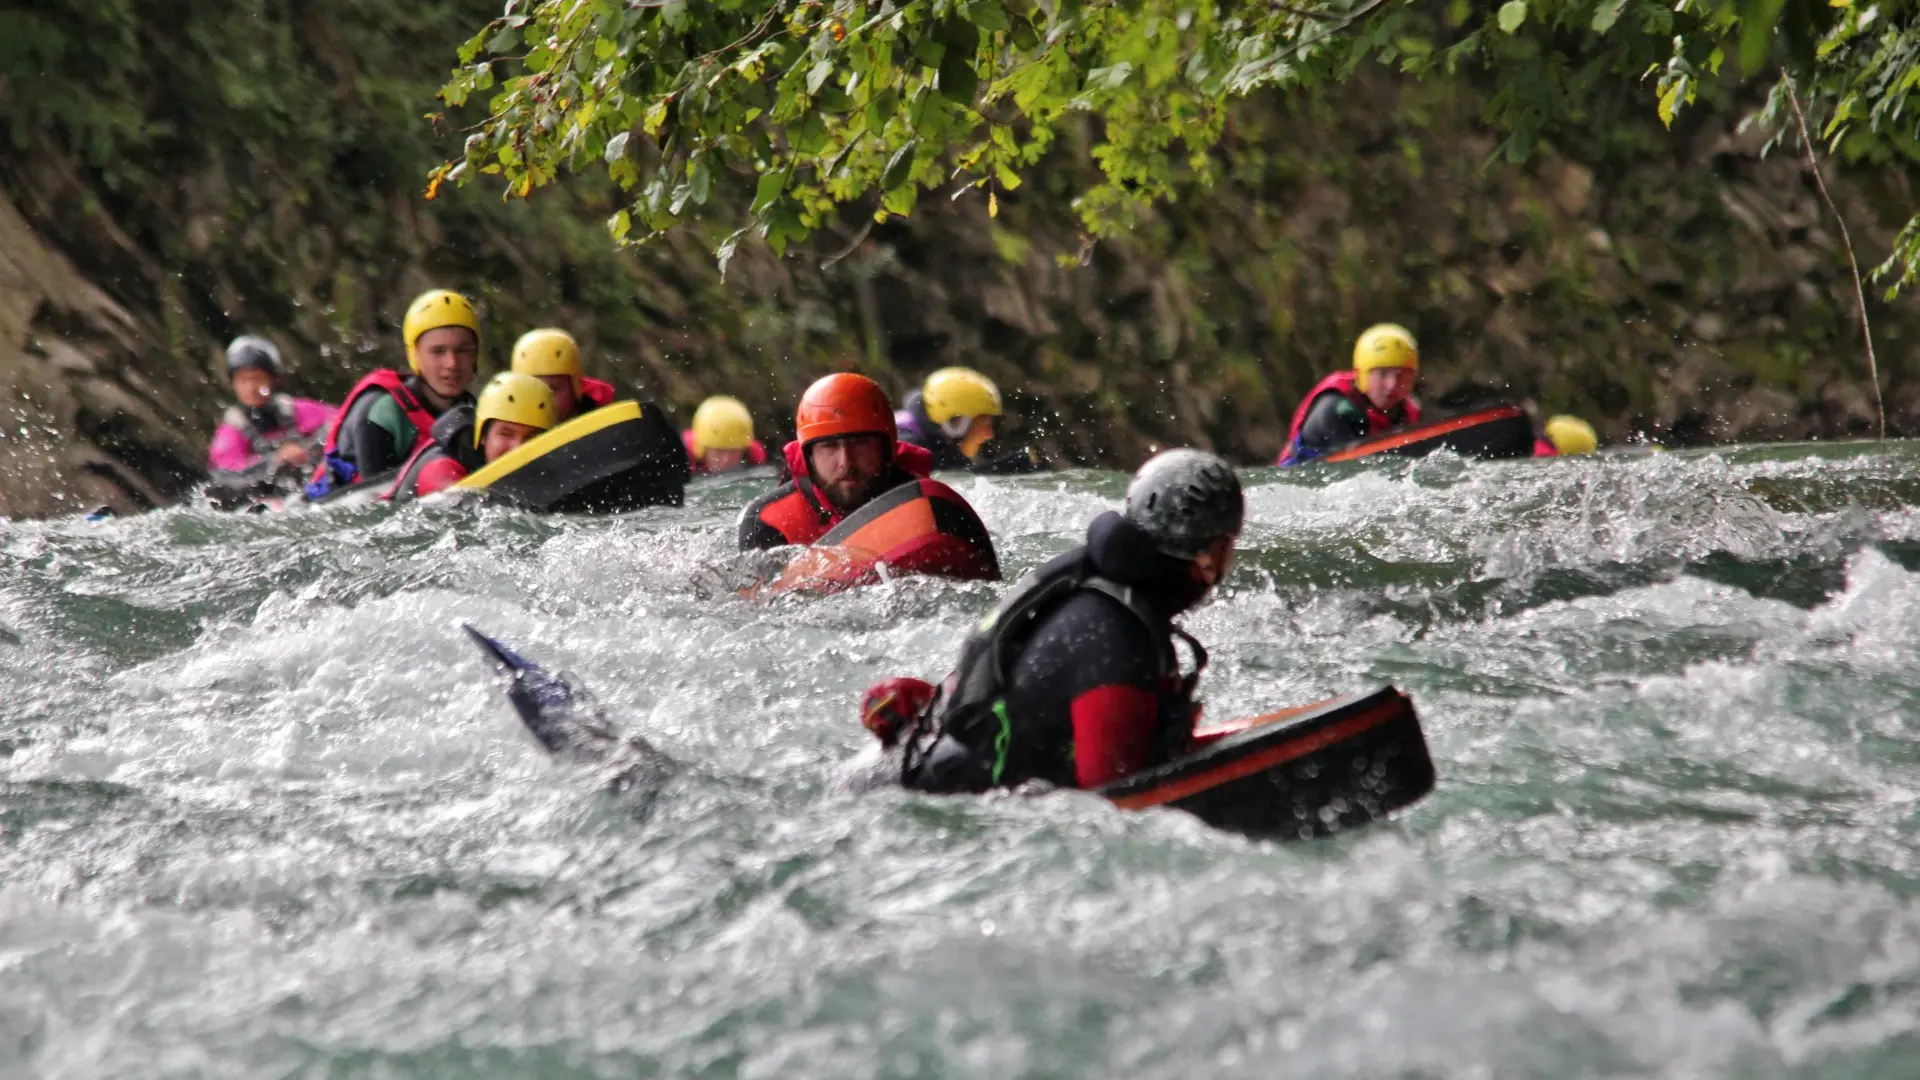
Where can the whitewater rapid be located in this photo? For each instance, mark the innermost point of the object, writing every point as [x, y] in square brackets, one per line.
[264, 811]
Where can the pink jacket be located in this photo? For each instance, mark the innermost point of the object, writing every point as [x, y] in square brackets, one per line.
[237, 446]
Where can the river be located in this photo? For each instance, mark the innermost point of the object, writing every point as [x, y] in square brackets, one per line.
[264, 812]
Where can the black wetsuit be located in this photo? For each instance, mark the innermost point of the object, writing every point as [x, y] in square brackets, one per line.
[1335, 422]
[1095, 692]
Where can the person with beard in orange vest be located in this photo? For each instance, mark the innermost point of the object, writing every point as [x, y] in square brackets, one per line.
[846, 450]
[1375, 396]
[553, 357]
[387, 416]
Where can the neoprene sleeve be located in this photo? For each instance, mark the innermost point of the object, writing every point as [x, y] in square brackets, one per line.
[438, 475]
[1332, 422]
[1112, 732]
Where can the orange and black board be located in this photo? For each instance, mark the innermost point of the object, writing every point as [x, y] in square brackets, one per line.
[920, 527]
[1300, 772]
[1500, 432]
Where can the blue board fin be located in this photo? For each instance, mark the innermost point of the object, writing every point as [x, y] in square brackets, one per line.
[559, 712]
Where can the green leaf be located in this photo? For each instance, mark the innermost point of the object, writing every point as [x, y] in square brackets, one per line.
[899, 166]
[811, 136]
[772, 183]
[1606, 15]
[1670, 100]
[1512, 14]
[960, 36]
[620, 224]
[1756, 34]
[882, 108]
[959, 82]
[987, 15]
[700, 179]
[617, 147]
[900, 201]
[656, 116]
[817, 75]
[727, 249]
[1109, 78]
[1025, 37]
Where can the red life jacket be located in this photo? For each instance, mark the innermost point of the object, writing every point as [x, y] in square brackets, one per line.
[396, 387]
[756, 453]
[1342, 383]
[803, 515]
[598, 391]
[1543, 447]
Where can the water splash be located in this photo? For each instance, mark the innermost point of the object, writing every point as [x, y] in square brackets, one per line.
[263, 811]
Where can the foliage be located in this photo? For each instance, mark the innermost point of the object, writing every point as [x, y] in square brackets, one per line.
[819, 103]
[232, 165]
[263, 162]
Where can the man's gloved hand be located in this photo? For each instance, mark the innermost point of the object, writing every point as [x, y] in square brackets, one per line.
[891, 705]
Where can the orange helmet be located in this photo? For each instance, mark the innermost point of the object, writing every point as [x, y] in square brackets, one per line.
[844, 404]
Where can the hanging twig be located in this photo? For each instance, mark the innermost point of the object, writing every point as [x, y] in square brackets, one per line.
[1859, 290]
[858, 239]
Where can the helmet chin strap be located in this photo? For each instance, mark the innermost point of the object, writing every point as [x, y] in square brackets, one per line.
[956, 427]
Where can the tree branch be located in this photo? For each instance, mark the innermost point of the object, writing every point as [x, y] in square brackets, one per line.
[1352, 17]
[1317, 16]
[1859, 290]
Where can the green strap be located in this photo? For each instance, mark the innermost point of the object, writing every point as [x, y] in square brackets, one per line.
[1001, 742]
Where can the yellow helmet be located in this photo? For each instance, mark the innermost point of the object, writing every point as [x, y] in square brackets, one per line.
[432, 310]
[514, 397]
[548, 351]
[1572, 435]
[1382, 346]
[958, 391]
[721, 423]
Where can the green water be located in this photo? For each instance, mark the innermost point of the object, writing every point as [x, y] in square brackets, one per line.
[264, 813]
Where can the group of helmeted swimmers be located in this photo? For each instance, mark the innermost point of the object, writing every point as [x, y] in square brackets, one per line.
[1077, 677]
[419, 431]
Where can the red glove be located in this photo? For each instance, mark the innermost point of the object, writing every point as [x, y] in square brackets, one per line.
[889, 706]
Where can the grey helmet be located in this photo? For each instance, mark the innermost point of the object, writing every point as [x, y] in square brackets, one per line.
[250, 350]
[1185, 500]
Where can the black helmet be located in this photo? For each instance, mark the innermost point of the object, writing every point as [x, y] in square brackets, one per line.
[1185, 500]
[248, 351]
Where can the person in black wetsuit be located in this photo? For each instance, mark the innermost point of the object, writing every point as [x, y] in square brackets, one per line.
[1075, 678]
[1373, 397]
[953, 416]
[387, 417]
